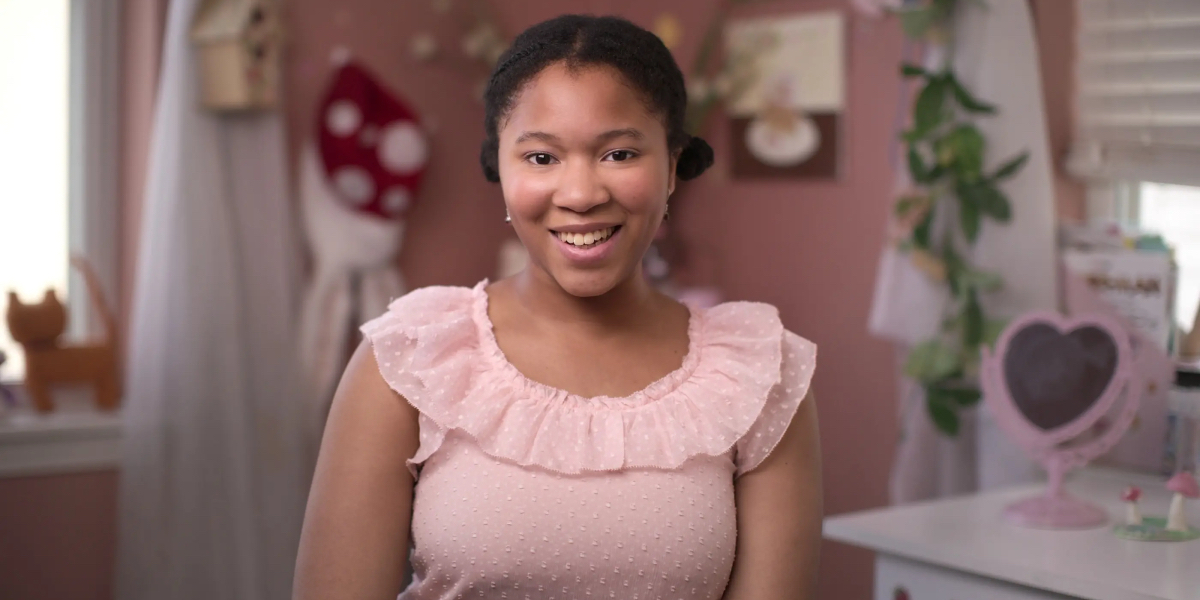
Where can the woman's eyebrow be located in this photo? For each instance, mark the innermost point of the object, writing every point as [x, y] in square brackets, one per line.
[617, 133]
[542, 136]
[550, 138]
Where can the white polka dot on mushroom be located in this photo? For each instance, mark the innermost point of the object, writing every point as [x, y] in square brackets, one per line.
[343, 118]
[402, 148]
[354, 183]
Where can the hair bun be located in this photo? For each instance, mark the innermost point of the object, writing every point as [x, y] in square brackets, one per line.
[489, 159]
[696, 158]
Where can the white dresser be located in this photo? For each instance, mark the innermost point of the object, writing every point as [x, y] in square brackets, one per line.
[959, 549]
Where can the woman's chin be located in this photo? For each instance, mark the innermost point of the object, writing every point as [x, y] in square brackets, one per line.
[586, 284]
[589, 283]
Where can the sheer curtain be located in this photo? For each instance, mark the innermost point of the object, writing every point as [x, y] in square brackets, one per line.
[216, 465]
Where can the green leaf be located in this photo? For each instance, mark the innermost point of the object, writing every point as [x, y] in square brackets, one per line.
[990, 200]
[943, 416]
[917, 21]
[930, 105]
[916, 165]
[955, 268]
[911, 70]
[993, 202]
[960, 395]
[952, 258]
[921, 233]
[968, 214]
[965, 143]
[992, 329]
[1010, 168]
[931, 361]
[972, 321]
[969, 102]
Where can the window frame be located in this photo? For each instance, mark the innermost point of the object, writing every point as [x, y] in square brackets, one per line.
[93, 207]
[78, 437]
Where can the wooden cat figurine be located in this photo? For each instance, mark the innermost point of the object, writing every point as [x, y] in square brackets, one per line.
[50, 362]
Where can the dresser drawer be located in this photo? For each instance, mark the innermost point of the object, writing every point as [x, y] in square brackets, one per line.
[902, 579]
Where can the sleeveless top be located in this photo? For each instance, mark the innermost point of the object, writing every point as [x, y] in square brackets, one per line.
[526, 491]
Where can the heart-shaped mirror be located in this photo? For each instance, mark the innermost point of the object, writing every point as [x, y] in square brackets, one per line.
[1054, 378]
[1050, 380]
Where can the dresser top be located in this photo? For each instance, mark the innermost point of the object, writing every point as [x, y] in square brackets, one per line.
[966, 534]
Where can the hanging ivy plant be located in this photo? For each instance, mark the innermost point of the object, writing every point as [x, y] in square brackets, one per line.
[945, 156]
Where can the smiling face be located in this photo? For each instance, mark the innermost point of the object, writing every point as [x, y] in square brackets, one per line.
[586, 172]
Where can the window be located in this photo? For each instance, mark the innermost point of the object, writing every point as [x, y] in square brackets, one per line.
[1137, 124]
[34, 160]
[58, 118]
[1174, 212]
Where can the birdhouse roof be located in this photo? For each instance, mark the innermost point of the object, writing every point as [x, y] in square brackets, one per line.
[223, 19]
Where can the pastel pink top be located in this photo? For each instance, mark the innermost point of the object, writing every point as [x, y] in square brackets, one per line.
[527, 491]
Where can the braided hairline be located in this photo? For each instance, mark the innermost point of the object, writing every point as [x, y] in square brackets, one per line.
[518, 56]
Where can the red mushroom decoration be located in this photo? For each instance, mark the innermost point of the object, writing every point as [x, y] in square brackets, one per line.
[1184, 485]
[372, 148]
[359, 177]
[1133, 516]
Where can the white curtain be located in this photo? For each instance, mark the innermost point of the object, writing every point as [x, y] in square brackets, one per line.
[996, 57]
[216, 468]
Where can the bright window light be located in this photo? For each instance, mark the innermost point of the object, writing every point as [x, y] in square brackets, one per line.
[1174, 212]
[34, 85]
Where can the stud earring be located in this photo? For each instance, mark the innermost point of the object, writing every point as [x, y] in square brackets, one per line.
[507, 216]
[667, 213]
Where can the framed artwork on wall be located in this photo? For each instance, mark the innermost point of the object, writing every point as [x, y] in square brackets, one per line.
[787, 121]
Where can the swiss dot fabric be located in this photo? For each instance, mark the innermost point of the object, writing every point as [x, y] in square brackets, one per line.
[527, 491]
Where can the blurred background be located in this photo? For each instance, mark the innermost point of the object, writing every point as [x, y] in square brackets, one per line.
[194, 155]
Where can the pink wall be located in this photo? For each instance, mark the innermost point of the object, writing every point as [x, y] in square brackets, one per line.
[57, 536]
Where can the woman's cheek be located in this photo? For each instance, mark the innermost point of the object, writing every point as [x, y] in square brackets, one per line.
[640, 190]
[527, 194]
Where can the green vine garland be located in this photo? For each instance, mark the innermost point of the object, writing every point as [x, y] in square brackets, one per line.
[945, 155]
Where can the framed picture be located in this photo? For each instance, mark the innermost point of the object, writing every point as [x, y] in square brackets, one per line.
[786, 120]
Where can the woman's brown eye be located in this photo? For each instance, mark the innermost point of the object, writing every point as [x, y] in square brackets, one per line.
[621, 155]
[541, 158]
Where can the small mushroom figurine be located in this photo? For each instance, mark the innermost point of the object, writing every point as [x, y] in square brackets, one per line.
[1133, 516]
[1184, 485]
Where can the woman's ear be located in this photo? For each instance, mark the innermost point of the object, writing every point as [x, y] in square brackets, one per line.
[672, 177]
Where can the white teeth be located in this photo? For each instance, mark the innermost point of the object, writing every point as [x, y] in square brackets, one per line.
[587, 239]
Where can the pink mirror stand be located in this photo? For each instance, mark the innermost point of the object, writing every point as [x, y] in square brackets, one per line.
[1065, 390]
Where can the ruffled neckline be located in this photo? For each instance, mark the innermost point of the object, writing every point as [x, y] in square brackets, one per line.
[436, 347]
[657, 390]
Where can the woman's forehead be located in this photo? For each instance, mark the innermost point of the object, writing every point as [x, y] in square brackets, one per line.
[587, 101]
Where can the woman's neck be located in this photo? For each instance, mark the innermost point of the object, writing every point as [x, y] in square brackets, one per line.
[630, 303]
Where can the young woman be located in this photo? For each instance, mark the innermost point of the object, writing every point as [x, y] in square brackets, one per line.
[570, 432]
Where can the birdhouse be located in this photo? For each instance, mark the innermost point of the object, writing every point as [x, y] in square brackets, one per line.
[238, 44]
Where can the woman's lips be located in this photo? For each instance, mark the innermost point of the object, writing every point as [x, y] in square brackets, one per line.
[589, 247]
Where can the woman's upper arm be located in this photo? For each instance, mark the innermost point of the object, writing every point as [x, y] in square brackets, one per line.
[779, 513]
[355, 538]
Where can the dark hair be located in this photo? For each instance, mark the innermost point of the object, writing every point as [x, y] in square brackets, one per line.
[581, 40]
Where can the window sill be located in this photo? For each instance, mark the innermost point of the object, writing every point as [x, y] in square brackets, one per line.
[75, 438]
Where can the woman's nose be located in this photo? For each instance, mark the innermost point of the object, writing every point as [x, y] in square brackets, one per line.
[580, 189]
